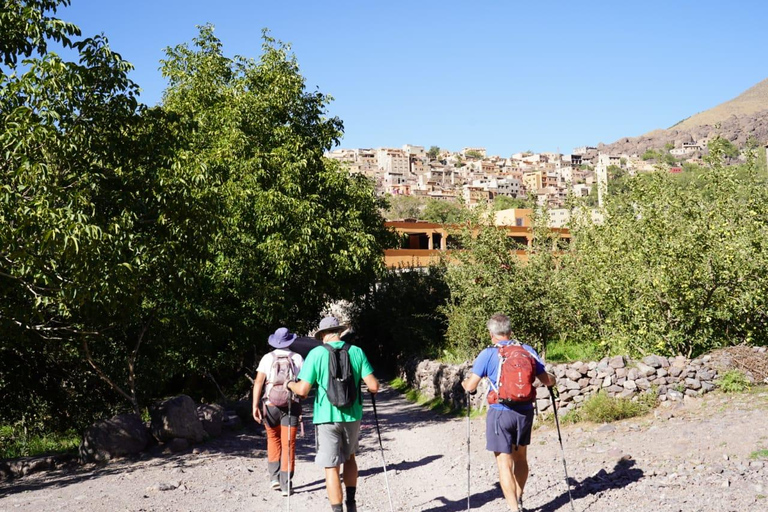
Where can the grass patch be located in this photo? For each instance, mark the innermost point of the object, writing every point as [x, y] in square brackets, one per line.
[433, 404]
[733, 381]
[759, 454]
[561, 352]
[600, 408]
[14, 442]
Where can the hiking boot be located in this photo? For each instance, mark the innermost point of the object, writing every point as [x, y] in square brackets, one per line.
[351, 506]
[284, 491]
[275, 484]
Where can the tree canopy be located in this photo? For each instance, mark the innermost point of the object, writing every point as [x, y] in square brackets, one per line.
[160, 245]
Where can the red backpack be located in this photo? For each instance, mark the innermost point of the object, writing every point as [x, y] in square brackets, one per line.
[517, 371]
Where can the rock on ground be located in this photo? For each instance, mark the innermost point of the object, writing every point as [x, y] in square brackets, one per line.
[122, 435]
[177, 417]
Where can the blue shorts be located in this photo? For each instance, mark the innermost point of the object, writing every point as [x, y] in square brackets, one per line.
[506, 429]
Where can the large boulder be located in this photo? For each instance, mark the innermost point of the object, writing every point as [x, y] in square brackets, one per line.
[122, 435]
[211, 416]
[177, 417]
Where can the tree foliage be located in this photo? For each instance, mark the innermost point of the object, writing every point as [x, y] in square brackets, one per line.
[444, 212]
[490, 277]
[507, 202]
[678, 266]
[401, 207]
[159, 245]
[299, 230]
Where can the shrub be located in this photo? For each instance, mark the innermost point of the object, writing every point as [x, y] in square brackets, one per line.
[733, 381]
[600, 408]
[562, 352]
[18, 442]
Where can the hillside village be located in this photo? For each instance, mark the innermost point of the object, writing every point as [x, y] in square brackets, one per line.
[474, 177]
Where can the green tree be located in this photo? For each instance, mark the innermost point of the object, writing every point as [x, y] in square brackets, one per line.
[617, 178]
[474, 154]
[490, 277]
[507, 202]
[728, 148]
[675, 268]
[404, 207]
[100, 230]
[433, 153]
[444, 212]
[156, 245]
[300, 231]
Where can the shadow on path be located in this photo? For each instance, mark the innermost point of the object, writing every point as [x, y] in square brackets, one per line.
[476, 500]
[247, 445]
[400, 466]
[623, 474]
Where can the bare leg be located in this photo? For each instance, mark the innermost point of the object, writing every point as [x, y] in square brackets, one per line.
[520, 468]
[507, 479]
[333, 485]
[350, 472]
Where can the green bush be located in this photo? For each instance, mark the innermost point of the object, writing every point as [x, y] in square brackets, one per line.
[16, 442]
[600, 408]
[733, 381]
[562, 352]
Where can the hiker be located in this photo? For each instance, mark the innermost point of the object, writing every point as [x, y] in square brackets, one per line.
[510, 413]
[337, 427]
[275, 370]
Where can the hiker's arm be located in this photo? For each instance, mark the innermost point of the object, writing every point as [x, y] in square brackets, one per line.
[372, 383]
[547, 379]
[300, 388]
[470, 383]
[258, 385]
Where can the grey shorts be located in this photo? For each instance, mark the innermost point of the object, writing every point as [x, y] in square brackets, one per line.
[336, 443]
[506, 429]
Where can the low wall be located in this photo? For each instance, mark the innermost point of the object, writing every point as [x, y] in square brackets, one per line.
[671, 378]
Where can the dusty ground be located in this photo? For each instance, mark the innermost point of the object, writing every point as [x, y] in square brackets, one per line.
[692, 458]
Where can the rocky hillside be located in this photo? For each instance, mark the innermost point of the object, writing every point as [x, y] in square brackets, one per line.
[749, 103]
[738, 120]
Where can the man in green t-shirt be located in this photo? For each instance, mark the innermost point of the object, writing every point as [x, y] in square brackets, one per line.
[338, 428]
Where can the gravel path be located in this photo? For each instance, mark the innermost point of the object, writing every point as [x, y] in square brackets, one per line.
[692, 457]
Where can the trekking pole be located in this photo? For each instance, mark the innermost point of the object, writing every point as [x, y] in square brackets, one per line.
[381, 446]
[469, 463]
[288, 498]
[562, 450]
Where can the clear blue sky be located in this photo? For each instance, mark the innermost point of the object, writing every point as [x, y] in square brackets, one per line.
[509, 75]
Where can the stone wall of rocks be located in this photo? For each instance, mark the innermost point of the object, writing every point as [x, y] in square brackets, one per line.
[670, 378]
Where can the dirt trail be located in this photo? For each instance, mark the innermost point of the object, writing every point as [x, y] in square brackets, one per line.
[691, 458]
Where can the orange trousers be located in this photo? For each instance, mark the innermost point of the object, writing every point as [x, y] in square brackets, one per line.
[281, 440]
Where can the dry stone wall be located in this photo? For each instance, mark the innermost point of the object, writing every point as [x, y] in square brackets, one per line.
[672, 379]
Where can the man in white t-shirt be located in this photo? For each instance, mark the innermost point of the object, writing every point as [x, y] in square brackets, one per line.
[271, 405]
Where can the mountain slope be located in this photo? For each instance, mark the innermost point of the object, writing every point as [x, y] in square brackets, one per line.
[737, 120]
[751, 101]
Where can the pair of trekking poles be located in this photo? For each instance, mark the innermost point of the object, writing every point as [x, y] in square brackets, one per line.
[559, 437]
[381, 447]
